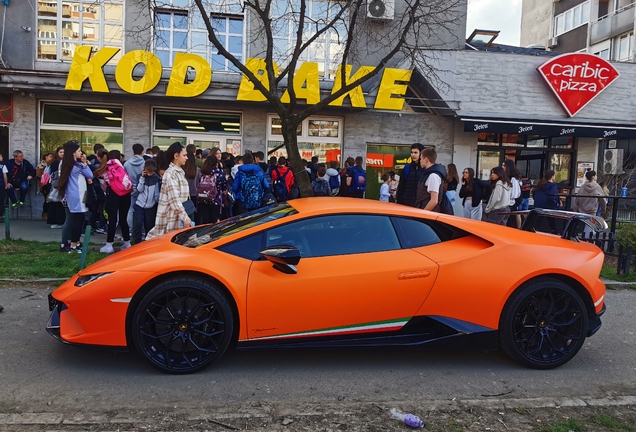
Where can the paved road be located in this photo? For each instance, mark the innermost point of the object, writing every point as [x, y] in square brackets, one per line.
[39, 374]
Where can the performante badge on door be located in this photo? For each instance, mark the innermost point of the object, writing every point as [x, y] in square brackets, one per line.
[577, 78]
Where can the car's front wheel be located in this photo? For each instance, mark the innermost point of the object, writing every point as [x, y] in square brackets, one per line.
[183, 325]
[544, 324]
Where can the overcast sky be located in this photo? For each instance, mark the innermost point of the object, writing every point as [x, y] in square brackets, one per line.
[502, 15]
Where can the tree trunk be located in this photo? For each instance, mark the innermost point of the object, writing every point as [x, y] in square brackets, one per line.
[295, 161]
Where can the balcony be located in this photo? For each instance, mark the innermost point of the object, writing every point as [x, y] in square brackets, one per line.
[613, 24]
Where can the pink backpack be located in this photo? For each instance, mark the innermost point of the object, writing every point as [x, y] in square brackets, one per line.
[118, 179]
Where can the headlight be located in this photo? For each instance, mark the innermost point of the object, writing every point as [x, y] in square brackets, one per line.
[83, 280]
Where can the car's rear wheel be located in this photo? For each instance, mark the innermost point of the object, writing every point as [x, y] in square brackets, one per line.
[183, 325]
[544, 324]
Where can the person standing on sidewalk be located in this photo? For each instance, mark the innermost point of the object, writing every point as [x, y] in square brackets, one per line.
[117, 201]
[589, 196]
[72, 187]
[4, 184]
[410, 178]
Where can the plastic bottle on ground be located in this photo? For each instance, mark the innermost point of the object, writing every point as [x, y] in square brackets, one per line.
[408, 419]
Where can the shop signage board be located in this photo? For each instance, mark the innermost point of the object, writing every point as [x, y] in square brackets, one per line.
[502, 126]
[88, 65]
[577, 78]
[581, 169]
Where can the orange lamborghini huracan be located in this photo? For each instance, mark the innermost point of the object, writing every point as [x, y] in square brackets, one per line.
[338, 272]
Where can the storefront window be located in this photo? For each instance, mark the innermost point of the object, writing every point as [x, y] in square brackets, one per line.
[513, 140]
[488, 139]
[487, 160]
[317, 136]
[276, 127]
[536, 142]
[198, 122]
[561, 164]
[86, 124]
[562, 142]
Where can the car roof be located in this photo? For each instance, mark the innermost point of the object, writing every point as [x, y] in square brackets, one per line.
[322, 205]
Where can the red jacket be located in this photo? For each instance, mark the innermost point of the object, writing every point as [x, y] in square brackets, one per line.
[289, 178]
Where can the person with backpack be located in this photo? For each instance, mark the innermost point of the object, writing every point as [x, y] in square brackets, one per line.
[333, 177]
[249, 186]
[175, 193]
[429, 194]
[320, 186]
[72, 189]
[117, 201]
[344, 191]
[410, 178]
[283, 182]
[357, 179]
[146, 203]
[210, 192]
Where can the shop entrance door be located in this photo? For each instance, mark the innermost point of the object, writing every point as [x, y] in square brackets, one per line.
[381, 159]
[530, 164]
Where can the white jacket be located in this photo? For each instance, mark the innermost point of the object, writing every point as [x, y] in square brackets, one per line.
[499, 198]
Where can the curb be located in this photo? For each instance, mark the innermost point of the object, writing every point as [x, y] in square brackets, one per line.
[263, 411]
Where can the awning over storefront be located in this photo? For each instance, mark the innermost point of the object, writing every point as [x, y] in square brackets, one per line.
[548, 129]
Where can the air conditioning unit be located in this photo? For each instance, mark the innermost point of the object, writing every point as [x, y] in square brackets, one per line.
[381, 9]
[553, 42]
[613, 161]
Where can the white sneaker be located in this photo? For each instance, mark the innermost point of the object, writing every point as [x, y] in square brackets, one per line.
[55, 226]
[108, 248]
[126, 245]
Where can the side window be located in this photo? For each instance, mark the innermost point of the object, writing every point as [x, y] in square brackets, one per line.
[415, 233]
[247, 247]
[336, 235]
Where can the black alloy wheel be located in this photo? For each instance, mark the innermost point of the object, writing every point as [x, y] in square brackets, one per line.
[183, 325]
[544, 324]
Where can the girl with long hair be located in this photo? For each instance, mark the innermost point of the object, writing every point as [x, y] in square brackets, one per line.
[171, 213]
[473, 191]
[210, 208]
[98, 222]
[499, 202]
[72, 189]
[515, 192]
[117, 201]
[451, 182]
[56, 214]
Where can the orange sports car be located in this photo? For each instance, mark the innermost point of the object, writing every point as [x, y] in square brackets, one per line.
[338, 272]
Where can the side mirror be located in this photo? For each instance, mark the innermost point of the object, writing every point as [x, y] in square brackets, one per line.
[284, 258]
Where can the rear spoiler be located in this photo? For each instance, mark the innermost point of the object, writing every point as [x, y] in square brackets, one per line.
[572, 226]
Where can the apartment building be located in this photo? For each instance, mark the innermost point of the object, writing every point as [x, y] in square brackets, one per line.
[601, 27]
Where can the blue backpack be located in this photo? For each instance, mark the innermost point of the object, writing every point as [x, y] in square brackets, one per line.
[279, 186]
[334, 184]
[358, 180]
[251, 191]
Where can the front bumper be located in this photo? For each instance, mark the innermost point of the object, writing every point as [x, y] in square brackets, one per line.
[594, 323]
[53, 326]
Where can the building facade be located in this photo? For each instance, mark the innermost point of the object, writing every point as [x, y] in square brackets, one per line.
[452, 94]
[601, 27]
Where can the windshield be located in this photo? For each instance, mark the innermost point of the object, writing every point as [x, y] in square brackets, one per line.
[199, 236]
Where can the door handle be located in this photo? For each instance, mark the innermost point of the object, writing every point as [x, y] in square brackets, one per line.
[414, 274]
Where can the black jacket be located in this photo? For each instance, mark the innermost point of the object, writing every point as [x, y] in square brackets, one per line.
[481, 191]
[408, 184]
[18, 173]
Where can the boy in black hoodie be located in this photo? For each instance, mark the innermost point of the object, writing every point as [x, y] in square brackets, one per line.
[410, 177]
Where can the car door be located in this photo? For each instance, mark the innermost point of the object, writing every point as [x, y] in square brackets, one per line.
[353, 276]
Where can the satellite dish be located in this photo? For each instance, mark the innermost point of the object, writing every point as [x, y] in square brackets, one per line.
[377, 8]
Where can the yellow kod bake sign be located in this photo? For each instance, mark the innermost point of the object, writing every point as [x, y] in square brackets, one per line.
[306, 80]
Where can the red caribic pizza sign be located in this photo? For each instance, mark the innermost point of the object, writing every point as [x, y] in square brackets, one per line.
[577, 78]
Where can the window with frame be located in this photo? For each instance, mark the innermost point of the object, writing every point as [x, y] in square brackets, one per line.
[624, 51]
[572, 18]
[317, 136]
[180, 27]
[326, 50]
[351, 234]
[65, 25]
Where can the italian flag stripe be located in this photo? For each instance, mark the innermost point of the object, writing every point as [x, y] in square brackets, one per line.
[391, 325]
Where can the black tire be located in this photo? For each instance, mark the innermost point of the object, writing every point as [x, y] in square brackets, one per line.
[183, 325]
[544, 324]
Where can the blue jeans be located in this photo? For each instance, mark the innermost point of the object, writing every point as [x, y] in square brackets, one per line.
[144, 218]
[24, 188]
[524, 204]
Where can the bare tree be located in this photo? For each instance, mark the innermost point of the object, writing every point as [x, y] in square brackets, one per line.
[417, 25]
